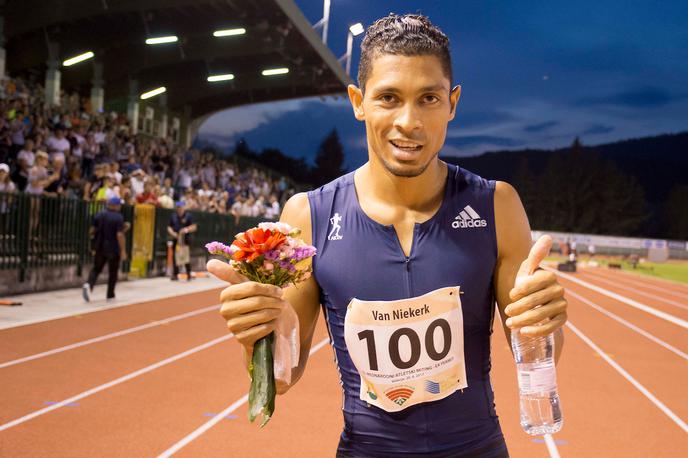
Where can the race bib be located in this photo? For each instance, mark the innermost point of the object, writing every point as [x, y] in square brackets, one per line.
[407, 351]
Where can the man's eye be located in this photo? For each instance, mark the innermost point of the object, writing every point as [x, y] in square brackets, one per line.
[430, 99]
[387, 98]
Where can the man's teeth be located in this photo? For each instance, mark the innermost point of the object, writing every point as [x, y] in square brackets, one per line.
[405, 145]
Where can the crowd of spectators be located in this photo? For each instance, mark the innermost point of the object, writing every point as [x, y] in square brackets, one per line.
[68, 150]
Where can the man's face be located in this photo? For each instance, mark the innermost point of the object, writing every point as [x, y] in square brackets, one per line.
[406, 107]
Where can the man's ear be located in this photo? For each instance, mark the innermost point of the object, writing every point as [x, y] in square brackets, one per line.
[454, 100]
[356, 99]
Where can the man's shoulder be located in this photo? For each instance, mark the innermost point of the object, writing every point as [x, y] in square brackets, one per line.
[338, 183]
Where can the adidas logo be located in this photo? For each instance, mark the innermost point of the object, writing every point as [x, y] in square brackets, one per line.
[468, 218]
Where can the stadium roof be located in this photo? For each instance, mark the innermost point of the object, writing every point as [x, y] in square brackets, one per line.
[277, 35]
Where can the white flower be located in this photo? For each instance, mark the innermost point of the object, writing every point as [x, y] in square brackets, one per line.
[284, 228]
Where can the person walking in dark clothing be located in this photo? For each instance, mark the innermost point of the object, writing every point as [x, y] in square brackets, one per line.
[180, 228]
[108, 234]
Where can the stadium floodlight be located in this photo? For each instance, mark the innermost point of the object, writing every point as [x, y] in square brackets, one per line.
[76, 59]
[153, 93]
[275, 71]
[356, 29]
[216, 78]
[325, 21]
[229, 32]
[161, 40]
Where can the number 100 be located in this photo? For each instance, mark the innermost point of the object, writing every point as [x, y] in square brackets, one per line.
[369, 336]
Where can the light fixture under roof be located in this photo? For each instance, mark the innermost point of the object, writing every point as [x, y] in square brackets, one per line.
[77, 59]
[275, 71]
[229, 32]
[216, 78]
[153, 93]
[161, 40]
[356, 29]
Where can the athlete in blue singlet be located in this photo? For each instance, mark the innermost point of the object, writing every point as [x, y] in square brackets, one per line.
[398, 241]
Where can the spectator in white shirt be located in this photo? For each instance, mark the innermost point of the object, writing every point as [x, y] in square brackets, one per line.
[58, 145]
[26, 154]
[272, 210]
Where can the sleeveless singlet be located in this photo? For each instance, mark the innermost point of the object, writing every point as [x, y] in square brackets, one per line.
[360, 258]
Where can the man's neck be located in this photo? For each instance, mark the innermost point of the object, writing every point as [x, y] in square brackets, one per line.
[415, 193]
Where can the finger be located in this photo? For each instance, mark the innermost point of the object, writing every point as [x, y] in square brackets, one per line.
[224, 271]
[239, 307]
[547, 328]
[538, 252]
[249, 337]
[536, 295]
[540, 279]
[249, 289]
[538, 314]
[241, 323]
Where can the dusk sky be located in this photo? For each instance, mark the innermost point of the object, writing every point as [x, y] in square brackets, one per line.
[533, 74]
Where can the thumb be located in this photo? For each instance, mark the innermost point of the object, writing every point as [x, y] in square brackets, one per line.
[538, 252]
[224, 271]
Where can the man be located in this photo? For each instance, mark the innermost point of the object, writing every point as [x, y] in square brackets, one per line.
[406, 225]
[107, 232]
[180, 229]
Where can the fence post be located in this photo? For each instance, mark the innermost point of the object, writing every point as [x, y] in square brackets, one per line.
[23, 234]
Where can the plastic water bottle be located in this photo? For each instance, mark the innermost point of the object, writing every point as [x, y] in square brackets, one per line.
[537, 383]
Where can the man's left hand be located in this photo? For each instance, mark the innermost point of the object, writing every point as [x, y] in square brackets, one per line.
[538, 306]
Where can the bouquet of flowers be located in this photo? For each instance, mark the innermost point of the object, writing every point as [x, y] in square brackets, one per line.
[270, 253]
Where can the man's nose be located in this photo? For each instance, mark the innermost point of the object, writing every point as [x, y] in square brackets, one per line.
[408, 118]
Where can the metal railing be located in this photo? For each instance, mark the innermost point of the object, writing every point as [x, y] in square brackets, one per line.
[39, 231]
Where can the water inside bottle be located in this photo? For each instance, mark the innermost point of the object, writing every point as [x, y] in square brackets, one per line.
[541, 413]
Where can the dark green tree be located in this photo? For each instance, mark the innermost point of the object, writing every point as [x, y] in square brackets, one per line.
[676, 213]
[329, 160]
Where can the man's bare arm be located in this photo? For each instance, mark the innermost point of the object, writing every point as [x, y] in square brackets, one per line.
[514, 242]
[304, 297]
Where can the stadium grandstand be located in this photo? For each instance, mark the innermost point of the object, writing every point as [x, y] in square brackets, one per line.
[103, 99]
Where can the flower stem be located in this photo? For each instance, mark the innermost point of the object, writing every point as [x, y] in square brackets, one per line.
[261, 396]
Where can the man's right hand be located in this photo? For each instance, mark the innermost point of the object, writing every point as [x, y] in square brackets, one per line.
[251, 309]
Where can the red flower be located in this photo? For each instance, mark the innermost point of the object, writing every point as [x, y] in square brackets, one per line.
[256, 242]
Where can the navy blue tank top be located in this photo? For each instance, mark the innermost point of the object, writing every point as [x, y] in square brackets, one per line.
[359, 257]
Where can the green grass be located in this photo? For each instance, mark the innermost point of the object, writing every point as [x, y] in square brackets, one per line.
[670, 270]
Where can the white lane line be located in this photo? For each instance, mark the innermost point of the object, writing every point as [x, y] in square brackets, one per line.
[108, 336]
[645, 308]
[635, 328]
[660, 405]
[217, 418]
[112, 383]
[648, 279]
[681, 305]
[637, 282]
[551, 446]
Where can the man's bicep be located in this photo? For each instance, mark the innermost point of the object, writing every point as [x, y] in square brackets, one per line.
[513, 242]
[304, 297]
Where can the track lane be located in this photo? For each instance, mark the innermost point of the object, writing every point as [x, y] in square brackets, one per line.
[641, 279]
[667, 331]
[26, 387]
[658, 300]
[23, 341]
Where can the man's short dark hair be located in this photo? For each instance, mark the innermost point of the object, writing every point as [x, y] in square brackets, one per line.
[407, 35]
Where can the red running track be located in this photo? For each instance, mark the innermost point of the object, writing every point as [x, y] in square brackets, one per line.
[150, 380]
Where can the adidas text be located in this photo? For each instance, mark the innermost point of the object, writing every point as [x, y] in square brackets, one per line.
[469, 223]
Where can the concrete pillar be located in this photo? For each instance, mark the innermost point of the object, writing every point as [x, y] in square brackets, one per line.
[97, 90]
[52, 75]
[188, 133]
[163, 117]
[2, 47]
[133, 106]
